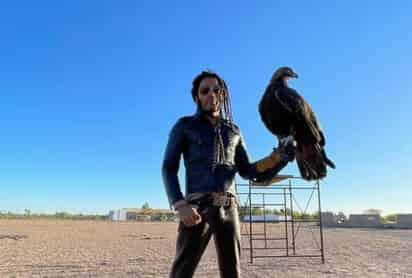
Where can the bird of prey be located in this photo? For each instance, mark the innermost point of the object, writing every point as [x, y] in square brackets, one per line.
[289, 117]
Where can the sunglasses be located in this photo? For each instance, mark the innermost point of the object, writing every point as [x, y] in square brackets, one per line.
[216, 90]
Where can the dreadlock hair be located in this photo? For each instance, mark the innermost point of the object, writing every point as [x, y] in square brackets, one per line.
[226, 108]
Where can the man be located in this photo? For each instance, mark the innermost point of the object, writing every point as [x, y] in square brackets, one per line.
[213, 151]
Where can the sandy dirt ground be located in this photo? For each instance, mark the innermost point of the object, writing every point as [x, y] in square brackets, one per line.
[65, 248]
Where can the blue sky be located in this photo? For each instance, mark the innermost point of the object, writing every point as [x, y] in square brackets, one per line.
[90, 90]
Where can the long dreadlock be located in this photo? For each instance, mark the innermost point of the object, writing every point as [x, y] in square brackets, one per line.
[226, 108]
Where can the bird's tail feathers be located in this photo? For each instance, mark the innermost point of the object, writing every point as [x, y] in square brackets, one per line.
[328, 162]
[310, 162]
[306, 171]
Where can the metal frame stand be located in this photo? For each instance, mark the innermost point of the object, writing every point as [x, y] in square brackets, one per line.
[292, 225]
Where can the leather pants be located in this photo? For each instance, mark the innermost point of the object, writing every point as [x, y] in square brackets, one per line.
[223, 224]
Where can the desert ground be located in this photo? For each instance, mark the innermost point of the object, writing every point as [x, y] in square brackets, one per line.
[69, 248]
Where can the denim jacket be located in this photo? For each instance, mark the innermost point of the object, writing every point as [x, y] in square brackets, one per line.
[212, 157]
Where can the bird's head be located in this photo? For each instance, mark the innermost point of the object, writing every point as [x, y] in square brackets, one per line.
[283, 74]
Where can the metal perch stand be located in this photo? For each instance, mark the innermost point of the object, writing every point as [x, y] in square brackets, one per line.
[260, 231]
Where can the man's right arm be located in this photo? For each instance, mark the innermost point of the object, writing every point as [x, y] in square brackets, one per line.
[171, 163]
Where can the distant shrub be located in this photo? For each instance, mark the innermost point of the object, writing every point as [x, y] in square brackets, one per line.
[390, 218]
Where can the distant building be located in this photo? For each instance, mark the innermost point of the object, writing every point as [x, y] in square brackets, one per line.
[364, 220]
[138, 214]
[329, 219]
[404, 221]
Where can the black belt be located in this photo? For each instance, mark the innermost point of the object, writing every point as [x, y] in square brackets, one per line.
[221, 199]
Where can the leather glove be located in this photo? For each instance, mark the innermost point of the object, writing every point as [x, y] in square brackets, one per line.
[285, 152]
[287, 148]
[188, 214]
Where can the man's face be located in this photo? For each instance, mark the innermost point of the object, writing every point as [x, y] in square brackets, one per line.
[210, 95]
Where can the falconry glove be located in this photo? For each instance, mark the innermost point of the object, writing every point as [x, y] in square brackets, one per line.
[285, 152]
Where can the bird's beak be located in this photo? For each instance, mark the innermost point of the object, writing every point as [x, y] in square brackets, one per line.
[295, 75]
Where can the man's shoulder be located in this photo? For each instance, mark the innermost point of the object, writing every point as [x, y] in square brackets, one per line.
[185, 121]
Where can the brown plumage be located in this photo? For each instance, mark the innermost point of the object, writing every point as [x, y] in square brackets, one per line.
[285, 113]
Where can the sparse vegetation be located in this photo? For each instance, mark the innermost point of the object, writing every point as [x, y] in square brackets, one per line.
[58, 215]
[244, 210]
[390, 218]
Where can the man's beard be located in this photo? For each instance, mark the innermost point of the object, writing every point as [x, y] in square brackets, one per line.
[209, 112]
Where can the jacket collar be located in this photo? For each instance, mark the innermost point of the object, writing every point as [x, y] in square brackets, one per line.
[199, 115]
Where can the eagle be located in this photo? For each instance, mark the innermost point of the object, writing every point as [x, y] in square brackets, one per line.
[290, 118]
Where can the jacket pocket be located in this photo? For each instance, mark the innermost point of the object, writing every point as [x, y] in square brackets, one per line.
[199, 149]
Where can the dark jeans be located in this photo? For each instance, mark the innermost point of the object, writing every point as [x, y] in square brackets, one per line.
[223, 224]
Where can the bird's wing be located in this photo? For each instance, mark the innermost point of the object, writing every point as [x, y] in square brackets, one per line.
[307, 127]
[316, 123]
[265, 108]
[321, 138]
[311, 156]
[289, 99]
